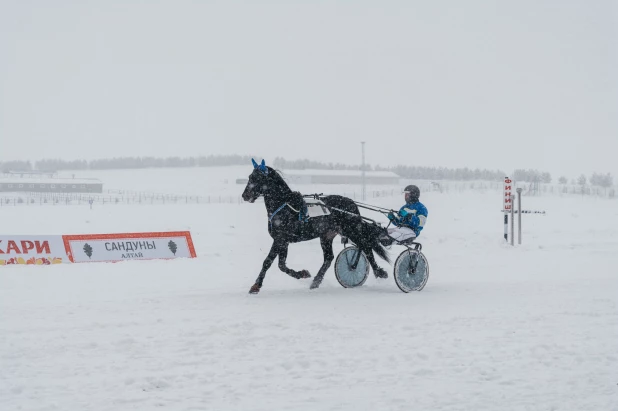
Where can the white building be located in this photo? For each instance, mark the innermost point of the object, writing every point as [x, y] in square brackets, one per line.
[351, 177]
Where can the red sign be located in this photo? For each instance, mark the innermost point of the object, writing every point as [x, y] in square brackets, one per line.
[35, 249]
[508, 201]
[128, 246]
[46, 250]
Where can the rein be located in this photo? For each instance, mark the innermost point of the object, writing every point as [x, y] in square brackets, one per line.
[370, 207]
[377, 209]
[354, 215]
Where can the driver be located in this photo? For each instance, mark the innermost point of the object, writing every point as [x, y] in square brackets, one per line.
[409, 220]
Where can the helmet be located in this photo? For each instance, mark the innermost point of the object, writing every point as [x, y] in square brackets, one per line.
[413, 193]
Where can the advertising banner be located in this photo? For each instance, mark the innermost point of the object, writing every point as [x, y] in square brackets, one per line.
[32, 249]
[128, 246]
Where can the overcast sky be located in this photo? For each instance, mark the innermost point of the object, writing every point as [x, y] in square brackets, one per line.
[489, 84]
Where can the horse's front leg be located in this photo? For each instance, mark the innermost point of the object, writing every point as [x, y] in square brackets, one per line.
[272, 254]
[327, 249]
[283, 255]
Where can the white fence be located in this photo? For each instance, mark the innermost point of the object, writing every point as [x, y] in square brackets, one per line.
[118, 197]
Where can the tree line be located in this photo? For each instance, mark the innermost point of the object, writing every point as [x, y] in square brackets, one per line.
[120, 163]
[535, 176]
[598, 180]
[423, 173]
[416, 172]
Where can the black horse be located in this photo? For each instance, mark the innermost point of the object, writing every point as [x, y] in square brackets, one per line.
[287, 223]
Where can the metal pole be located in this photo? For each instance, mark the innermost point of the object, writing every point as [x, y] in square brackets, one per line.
[512, 222]
[506, 226]
[363, 172]
[519, 216]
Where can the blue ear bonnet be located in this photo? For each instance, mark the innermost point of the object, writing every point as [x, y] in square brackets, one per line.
[261, 166]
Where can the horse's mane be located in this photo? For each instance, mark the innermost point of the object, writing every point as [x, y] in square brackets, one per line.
[278, 175]
[295, 198]
[275, 171]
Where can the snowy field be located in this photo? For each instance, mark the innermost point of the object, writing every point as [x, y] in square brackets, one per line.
[531, 327]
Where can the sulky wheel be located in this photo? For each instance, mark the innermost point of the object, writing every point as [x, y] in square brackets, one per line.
[411, 271]
[351, 267]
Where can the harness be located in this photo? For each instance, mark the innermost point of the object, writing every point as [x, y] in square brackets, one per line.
[300, 214]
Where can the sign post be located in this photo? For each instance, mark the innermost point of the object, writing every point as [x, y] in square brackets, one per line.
[507, 206]
[512, 222]
[519, 190]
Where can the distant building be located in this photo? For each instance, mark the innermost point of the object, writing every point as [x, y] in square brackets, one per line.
[36, 183]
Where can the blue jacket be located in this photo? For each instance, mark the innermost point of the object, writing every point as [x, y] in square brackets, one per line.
[412, 215]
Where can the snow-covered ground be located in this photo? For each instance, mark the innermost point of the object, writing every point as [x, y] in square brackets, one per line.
[530, 327]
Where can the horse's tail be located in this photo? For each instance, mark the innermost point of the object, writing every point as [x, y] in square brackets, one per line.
[364, 234]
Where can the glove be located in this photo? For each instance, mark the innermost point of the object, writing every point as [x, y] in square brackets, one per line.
[391, 216]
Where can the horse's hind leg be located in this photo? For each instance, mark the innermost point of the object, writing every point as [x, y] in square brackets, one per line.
[327, 248]
[283, 255]
[378, 271]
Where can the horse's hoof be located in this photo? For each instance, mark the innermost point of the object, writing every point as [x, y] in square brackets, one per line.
[254, 289]
[381, 273]
[304, 274]
[315, 284]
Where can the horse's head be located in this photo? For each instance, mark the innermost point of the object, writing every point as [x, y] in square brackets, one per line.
[258, 182]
